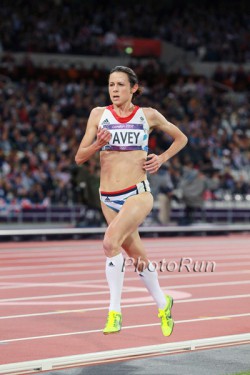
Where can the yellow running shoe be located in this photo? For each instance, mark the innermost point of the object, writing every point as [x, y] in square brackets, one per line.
[167, 323]
[114, 323]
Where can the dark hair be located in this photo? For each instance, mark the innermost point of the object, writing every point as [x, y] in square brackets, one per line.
[132, 77]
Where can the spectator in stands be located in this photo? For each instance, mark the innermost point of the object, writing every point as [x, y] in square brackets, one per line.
[162, 190]
[41, 123]
[218, 32]
[193, 185]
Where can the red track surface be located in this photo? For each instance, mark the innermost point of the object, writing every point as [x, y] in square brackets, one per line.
[54, 296]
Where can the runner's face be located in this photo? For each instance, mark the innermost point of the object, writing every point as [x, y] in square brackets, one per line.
[120, 90]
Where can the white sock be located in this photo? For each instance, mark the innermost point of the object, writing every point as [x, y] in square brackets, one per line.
[150, 279]
[115, 277]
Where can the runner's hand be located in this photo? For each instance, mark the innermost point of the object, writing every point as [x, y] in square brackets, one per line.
[103, 137]
[152, 164]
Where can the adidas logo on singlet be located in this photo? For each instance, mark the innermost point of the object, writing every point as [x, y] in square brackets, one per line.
[107, 199]
[106, 121]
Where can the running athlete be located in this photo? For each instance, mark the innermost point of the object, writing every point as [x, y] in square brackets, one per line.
[120, 132]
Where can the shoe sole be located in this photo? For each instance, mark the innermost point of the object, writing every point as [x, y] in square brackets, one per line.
[172, 303]
[111, 333]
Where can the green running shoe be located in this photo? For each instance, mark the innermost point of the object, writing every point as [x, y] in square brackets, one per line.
[167, 323]
[114, 323]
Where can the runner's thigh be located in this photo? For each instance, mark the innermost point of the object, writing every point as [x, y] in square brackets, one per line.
[132, 214]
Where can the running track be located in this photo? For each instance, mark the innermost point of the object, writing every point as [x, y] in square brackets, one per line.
[54, 296]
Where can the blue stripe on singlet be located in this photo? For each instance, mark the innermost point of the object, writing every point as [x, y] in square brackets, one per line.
[119, 202]
[112, 208]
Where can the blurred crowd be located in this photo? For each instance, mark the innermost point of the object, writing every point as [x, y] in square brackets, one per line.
[42, 123]
[213, 31]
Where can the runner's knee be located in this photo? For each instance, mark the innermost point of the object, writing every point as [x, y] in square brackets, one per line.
[111, 245]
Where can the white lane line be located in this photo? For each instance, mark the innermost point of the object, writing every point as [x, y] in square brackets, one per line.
[126, 289]
[81, 302]
[94, 272]
[110, 356]
[198, 320]
[49, 246]
[52, 254]
[81, 243]
[13, 285]
[85, 264]
[72, 284]
[86, 252]
[83, 310]
[167, 243]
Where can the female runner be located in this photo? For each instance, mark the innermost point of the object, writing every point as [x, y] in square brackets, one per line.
[120, 132]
